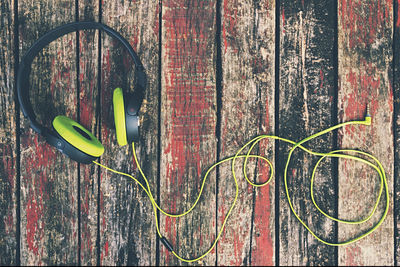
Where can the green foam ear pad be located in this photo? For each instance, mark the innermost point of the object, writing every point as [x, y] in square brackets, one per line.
[119, 116]
[78, 136]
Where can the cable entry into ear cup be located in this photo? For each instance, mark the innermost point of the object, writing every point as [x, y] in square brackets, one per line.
[77, 136]
[119, 116]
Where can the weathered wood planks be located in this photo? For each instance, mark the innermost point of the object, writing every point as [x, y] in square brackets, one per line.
[8, 142]
[365, 56]
[188, 126]
[194, 114]
[396, 132]
[88, 91]
[306, 93]
[127, 226]
[248, 57]
[49, 223]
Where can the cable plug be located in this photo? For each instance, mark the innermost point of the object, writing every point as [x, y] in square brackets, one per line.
[368, 118]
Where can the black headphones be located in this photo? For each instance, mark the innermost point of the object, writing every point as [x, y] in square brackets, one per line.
[68, 136]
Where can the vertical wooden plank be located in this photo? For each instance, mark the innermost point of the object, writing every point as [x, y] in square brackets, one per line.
[305, 105]
[48, 178]
[365, 58]
[396, 110]
[8, 148]
[89, 117]
[248, 64]
[127, 226]
[188, 125]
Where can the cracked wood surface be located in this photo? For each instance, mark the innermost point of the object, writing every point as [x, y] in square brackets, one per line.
[305, 107]
[365, 78]
[219, 73]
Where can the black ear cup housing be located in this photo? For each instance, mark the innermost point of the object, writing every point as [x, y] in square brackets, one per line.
[75, 153]
[66, 148]
[132, 105]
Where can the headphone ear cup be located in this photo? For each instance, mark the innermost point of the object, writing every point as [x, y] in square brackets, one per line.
[119, 116]
[77, 136]
[132, 106]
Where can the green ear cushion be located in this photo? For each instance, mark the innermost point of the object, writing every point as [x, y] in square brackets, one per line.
[119, 116]
[78, 136]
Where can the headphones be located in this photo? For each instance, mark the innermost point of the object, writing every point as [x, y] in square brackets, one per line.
[67, 135]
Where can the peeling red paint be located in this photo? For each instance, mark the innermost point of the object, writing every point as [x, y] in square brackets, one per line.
[190, 99]
[321, 76]
[229, 25]
[106, 248]
[365, 82]
[233, 246]
[8, 163]
[263, 251]
[221, 218]
[40, 165]
[156, 25]
[87, 99]
[390, 99]
[34, 231]
[365, 88]
[353, 254]
[9, 222]
[237, 249]
[363, 29]
[398, 14]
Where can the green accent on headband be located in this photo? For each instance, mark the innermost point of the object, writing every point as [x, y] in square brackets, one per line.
[78, 136]
[119, 116]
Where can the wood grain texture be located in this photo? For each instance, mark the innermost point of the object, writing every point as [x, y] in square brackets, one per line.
[189, 133]
[8, 146]
[48, 179]
[396, 110]
[305, 107]
[88, 10]
[127, 226]
[365, 57]
[248, 57]
[188, 125]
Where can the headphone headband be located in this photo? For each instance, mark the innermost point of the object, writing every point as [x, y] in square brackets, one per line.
[25, 65]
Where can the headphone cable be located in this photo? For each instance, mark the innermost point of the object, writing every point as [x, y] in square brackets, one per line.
[342, 153]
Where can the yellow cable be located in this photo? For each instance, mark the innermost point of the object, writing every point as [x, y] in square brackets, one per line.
[343, 153]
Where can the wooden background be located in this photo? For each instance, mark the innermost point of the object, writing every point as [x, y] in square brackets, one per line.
[220, 72]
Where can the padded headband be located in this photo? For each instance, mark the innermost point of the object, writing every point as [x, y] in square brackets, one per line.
[26, 62]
